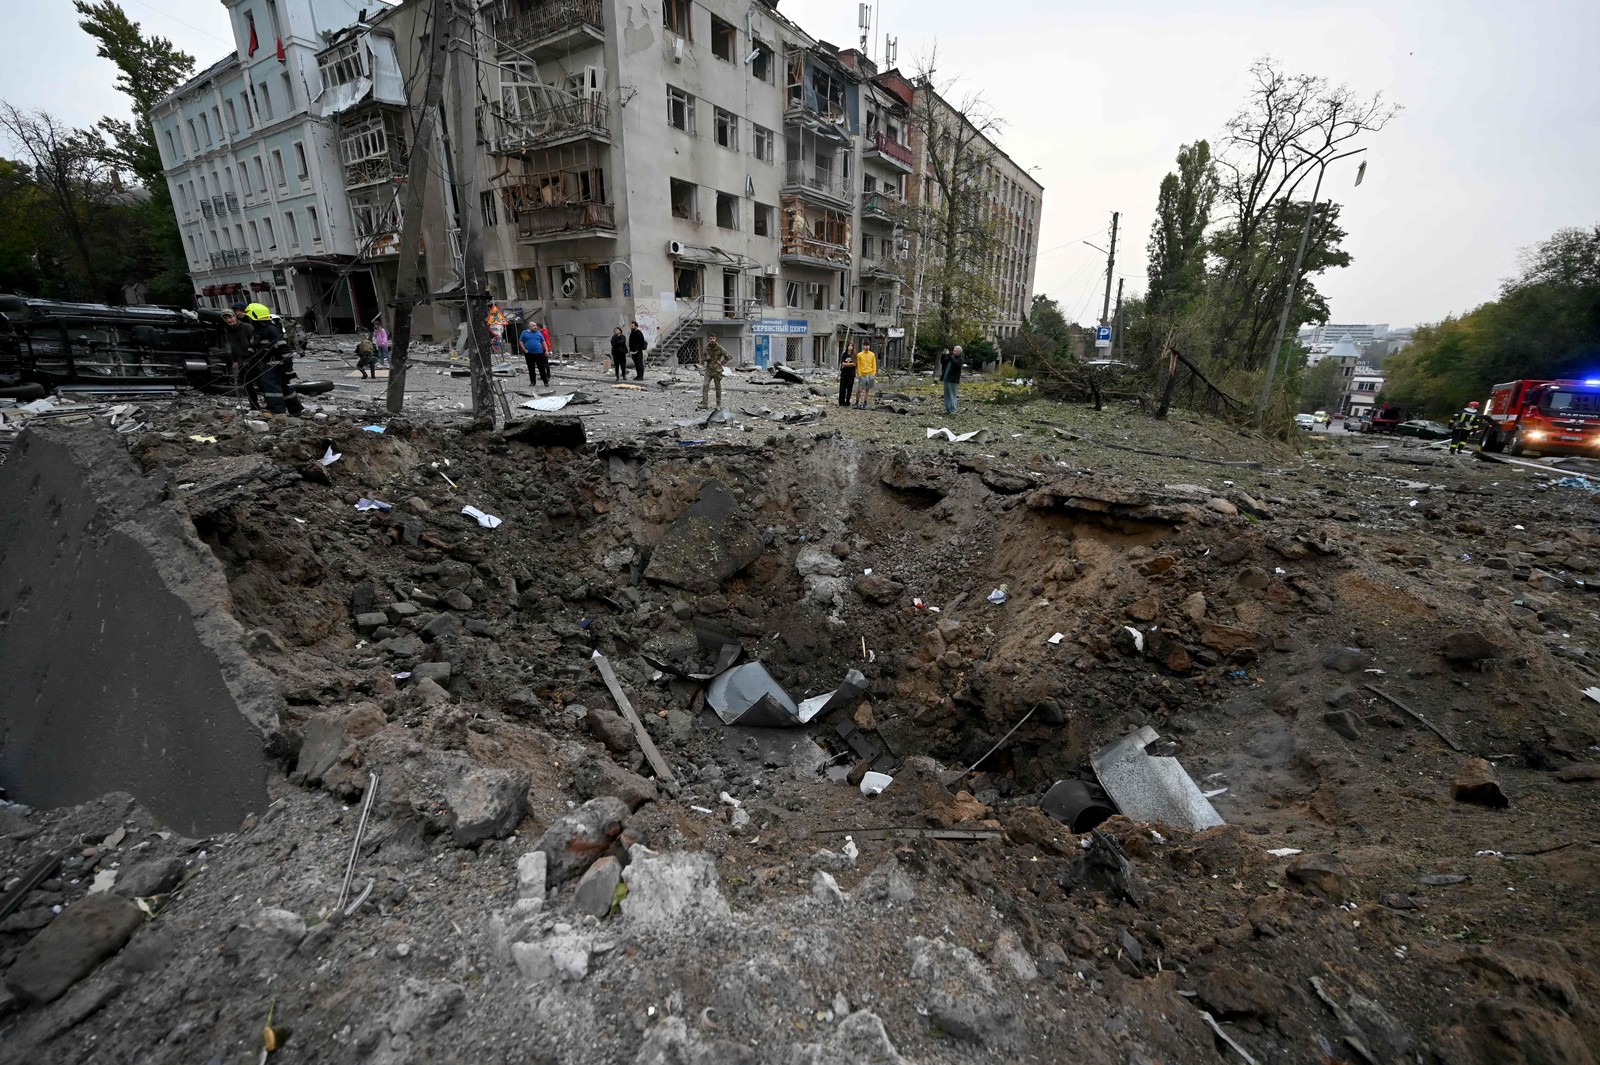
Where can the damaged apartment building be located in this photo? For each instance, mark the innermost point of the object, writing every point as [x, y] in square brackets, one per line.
[698, 166]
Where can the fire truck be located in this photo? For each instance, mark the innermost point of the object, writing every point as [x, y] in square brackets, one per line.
[1550, 417]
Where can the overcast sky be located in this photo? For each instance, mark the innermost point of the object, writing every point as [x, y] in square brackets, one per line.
[1498, 145]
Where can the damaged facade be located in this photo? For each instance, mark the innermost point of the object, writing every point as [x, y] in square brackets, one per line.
[708, 168]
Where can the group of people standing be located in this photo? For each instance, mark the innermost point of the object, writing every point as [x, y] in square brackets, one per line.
[858, 377]
[263, 358]
[622, 347]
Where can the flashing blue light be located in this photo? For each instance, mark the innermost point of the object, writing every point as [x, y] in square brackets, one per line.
[1593, 381]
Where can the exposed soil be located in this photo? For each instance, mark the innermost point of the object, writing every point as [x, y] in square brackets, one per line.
[1267, 599]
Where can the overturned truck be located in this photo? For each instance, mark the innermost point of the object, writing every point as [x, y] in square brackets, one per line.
[90, 345]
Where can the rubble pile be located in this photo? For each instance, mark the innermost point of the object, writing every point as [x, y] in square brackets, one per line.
[1053, 759]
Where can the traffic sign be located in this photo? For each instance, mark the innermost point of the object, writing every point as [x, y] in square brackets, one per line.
[1102, 336]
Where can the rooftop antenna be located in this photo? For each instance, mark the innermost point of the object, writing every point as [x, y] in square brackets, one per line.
[864, 21]
[891, 52]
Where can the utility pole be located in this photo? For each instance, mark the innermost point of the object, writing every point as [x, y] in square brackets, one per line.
[406, 288]
[1111, 265]
[462, 131]
[1116, 323]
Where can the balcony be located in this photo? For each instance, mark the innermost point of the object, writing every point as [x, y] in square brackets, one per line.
[550, 29]
[206, 210]
[377, 227]
[566, 220]
[823, 115]
[894, 153]
[809, 251]
[875, 269]
[372, 148]
[814, 182]
[219, 205]
[231, 257]
[571, 120]
[879, 207]
[233, 203]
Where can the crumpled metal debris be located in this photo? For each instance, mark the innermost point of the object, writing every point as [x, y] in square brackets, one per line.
[980, 435]
[547, 403]
[748, 695]
[1147, 788]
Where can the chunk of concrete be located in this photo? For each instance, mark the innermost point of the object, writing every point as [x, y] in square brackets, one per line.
[576, 841]
[154, 876]
[70, 947]
[672, 890]
[1475, 783]
[598, 887]
[709, 543]
[87, 537]
[485, 804]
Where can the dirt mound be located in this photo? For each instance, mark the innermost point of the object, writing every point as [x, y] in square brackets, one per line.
[1302, 659]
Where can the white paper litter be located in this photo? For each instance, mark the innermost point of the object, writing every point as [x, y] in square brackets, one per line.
[488, 521]
[1057, 638]
[1284, 852]
[1138, 637]
[1593, 693]
[998, 596]
[373, 504]
[976, 434]
[330, 458]
[547, 403]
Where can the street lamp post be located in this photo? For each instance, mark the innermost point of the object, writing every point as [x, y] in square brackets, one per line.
[1294, 277]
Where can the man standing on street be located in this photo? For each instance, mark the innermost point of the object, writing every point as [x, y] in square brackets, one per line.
[636, 345]
[240, 334]
[533, 349]
[952, 379]
[847, 378]
[866, 376]
[716, 357]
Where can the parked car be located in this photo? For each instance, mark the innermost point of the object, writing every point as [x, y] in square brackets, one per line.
[1305, 421]
[1321, 416]
[1423, 428]
[1355, 423]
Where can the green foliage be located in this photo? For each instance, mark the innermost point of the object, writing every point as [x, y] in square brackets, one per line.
[1177, 237]
[1321, 387]
[148, 69]
[1546, 323]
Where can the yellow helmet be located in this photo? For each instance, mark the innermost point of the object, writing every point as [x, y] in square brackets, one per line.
[258, 312]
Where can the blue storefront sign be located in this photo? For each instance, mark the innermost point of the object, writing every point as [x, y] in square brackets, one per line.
[779, 327]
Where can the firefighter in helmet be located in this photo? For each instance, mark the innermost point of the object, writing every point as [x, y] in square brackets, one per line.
[271, 362]
[1467, 423]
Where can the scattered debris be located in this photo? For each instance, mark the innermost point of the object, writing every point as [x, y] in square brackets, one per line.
[1147, 788]
[873, 783]
[1475, 783]
[330, 457]
[657, 763]
[547, 403]
[373, 504]
[979, 435]
[488, 521]
[998, 596]
[1397, 704]
[748, 695]
[1079, 804]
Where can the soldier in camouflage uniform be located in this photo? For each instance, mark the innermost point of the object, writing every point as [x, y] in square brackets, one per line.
[716, 357]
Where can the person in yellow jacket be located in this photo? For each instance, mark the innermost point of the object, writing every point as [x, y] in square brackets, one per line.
[866, 376]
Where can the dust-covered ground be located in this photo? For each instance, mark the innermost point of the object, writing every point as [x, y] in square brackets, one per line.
[1248, 600]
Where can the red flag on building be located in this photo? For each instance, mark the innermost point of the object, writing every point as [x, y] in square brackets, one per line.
[281, 57]
[254, 44]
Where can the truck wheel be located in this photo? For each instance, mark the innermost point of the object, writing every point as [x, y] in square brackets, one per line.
[1514, 445]
[1492, 441]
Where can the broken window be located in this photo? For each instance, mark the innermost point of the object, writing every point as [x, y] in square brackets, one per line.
[727, 128]
[724, 39]
[761, 143]
[343, 64]
[597, 281]
[675, 17]
[680, 110]
[684, 197]
[817, 296]
[315, 223]
[291, 228]
[767, 291]
[762, 63]
[727, 210]
[686, 282]
[765, 224]
[233, 116]
[486, 204]
[272, 238]
[791, 294]
[301, 167]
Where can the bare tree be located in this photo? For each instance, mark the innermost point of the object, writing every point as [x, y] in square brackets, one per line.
[70, 169]
[1290, 124]
[951, 216]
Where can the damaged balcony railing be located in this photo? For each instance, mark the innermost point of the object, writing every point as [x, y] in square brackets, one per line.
[891, 149]
[529, 23]
[587, 117]
[556, 219]
[803, 175]
[230, 257]
[799, 246]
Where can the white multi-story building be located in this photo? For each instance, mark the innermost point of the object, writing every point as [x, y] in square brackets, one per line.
[1361, 394]
[709, 168]
[254, 171]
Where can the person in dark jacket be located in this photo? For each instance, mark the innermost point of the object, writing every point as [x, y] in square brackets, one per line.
[272, 362]
[619, 353]
[847, 377]
[637, 345]
[951, 376]
[240, 333]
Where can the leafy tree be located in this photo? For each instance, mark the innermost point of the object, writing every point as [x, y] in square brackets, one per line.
[24, 231]
[950, 217]
[149, 68]
[1322, 386]
[1177, 237]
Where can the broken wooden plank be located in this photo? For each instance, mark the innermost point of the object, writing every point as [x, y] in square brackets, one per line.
[1435, 729]
[662, 770]
[958, 835]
